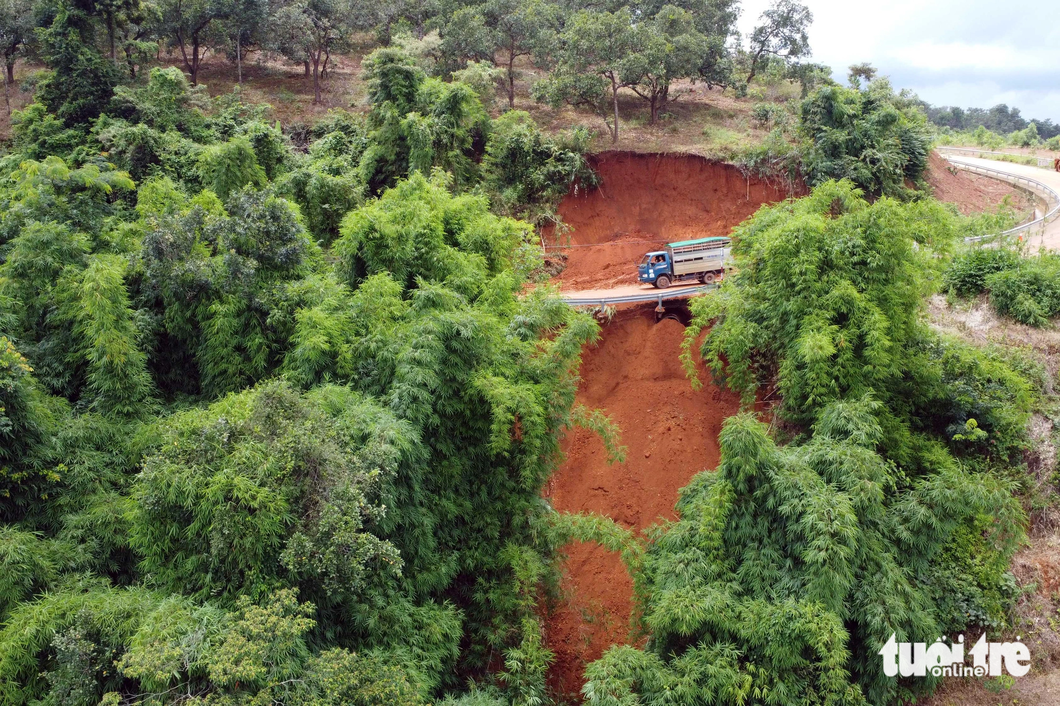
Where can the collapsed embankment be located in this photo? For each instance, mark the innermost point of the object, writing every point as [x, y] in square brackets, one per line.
[645, 201]
[671, 433]
[634, 374]
[971, 193]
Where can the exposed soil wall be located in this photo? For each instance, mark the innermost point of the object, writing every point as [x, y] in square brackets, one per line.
[970, 193]
[645, 201]
[671, 433]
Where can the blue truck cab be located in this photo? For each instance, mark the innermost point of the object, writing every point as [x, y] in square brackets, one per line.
[652, 265]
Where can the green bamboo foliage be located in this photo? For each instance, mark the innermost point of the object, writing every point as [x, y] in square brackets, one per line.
[275, 420]
[790, 567]
[97, 303]
[229, 166]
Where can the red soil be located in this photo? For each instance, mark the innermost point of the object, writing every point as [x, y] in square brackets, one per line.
[970, 193]
[671, 433]
[645, 201]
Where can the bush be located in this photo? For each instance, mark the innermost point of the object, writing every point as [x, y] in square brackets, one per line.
[1030, 292]
[527, 171]
[969, 270]
[870, 137]
[770, 115]
[790, 566]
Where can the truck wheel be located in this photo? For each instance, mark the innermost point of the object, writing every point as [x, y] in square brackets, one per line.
[707, 278]
[662, 282]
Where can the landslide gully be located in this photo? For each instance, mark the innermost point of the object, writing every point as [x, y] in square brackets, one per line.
[634, 375]
[645, 201]
[671, 433]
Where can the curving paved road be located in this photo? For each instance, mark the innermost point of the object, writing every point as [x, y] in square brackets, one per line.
[1050, 237]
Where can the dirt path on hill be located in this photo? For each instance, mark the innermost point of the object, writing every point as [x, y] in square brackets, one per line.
[671, 433]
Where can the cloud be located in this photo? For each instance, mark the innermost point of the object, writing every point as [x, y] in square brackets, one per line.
[951, 52]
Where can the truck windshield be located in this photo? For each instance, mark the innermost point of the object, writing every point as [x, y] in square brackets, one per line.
[644, 260]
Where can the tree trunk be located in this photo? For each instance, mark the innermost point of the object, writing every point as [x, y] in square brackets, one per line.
[7, 89]
[307, 70]
[183, 51]
[511, 81]
[614, 103]
[239, 57]
[110, 36]
[324, 66]
[195, 62]
[316, 77]
[754, 66]
[11, 71]
[654, 107]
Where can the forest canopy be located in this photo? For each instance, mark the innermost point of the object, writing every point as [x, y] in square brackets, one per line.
[279, 405]
[266, 437]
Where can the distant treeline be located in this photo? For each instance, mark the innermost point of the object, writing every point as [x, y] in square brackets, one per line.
[1000, 119]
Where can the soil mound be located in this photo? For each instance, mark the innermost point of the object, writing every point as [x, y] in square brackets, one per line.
[645, 201]
[970, 193]
[671, 433]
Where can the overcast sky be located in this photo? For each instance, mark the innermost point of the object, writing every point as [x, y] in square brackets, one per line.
[971, 53]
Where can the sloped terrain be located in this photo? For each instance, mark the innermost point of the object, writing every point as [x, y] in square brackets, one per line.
[671, 433]
[645, 201]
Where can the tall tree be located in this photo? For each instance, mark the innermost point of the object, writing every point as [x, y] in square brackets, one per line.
[138, 32]
[588, 64]
[243, 26]
[114, 13]
[782, 33]
[16, 32]
[665, 49]
[863, 72]
[308, 30]
[189, 23]
[500, 32]
[519, 29]
[82, 81]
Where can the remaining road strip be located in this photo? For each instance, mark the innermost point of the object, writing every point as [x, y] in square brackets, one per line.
[623, 295]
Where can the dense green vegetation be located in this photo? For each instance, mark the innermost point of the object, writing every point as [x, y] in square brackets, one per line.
[276, 411]
[1026, 288]
[992, 127]
[870, 136]
[263, 437]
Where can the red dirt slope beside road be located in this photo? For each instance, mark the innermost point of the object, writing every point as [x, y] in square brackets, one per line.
[970, 193]
[645, 201]
[671, 433]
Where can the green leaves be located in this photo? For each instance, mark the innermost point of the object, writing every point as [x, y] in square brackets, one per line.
[220, 500]
[871, 137]
[835, 286]
[798, 562]
[418, 231]
[526, 171]
[230, 166]
[419, 123]
[96, 301]
[785, 561]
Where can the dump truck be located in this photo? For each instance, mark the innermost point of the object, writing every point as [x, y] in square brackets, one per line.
[703, 259]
